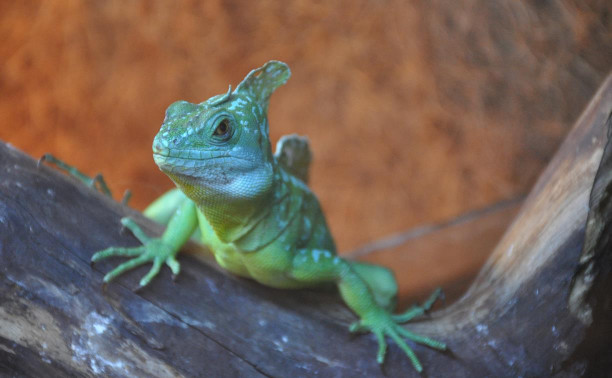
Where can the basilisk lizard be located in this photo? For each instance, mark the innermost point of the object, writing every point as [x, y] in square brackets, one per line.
[254, 210]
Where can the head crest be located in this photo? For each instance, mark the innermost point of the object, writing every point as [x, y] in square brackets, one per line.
[261, 82]
[224, 98]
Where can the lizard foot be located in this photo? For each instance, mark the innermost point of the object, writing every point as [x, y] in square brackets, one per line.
[415, 311]
[153, 250]
[97, 182]
[381, 323]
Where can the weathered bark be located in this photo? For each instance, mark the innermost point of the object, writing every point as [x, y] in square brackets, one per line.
[538, 307]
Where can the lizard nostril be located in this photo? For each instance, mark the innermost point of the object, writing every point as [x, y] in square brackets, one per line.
[159, 148]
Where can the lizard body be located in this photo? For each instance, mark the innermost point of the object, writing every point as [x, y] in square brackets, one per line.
[254, 210]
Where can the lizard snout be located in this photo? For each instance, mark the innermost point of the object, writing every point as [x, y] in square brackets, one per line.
[159, 148]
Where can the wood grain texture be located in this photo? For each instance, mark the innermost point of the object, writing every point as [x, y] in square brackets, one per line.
[523, 316]
[56, 319]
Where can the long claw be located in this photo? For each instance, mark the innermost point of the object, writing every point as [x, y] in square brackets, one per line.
[174, 265]
[415, 311]
[157, 263]
[126, 197]
[116, 251]
[136, 230]
[357, 327]
[42, 159]
[402, 344]
[421, 339]
[408, 315]
[382, 348]
[131, 264]
[102, 187]
[438, 293]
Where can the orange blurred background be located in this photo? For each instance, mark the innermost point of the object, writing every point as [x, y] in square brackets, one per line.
[418, 112]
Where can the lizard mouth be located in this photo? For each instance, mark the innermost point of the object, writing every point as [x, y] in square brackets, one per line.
[183, 162]
[189, 162]
[160, 151]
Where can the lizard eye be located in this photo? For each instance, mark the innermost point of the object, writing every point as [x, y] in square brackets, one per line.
[223, 130]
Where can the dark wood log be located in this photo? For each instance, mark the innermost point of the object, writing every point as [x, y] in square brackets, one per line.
[539, 307]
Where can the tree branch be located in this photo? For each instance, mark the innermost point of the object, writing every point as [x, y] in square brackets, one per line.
[538, 307]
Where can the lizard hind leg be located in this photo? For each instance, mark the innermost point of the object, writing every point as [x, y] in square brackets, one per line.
[96, 182]
[380, 281]
[313, 266]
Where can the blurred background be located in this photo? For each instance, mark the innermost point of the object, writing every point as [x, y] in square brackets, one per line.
[429, 120]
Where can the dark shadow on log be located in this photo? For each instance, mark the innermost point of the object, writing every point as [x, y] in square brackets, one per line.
[539, 307]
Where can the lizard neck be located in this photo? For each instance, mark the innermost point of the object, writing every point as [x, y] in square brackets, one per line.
[231, 219]
[234, 208]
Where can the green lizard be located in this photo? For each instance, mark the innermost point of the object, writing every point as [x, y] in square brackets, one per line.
[254, 210]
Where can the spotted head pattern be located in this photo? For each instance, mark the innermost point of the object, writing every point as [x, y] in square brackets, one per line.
[222, 144]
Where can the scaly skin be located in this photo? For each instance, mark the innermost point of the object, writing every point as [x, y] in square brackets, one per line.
[258, 219]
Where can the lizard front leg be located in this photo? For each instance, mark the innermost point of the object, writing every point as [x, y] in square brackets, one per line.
[162, 250]
[315, 266]
[163, 208]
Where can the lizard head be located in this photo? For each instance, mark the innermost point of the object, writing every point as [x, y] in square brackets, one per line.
[221, 147]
